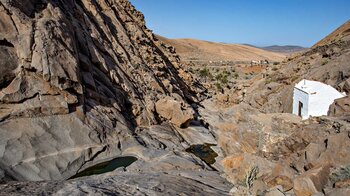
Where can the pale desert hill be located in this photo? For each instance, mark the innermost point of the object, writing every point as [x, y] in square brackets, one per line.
[191, 49]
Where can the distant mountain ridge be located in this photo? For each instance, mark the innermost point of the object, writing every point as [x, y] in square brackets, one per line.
[286, 49]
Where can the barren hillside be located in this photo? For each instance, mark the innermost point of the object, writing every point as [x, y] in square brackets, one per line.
[340, 34]
[286, 50]
[191, 49]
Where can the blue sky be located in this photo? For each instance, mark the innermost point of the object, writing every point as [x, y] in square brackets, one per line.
[258, 22]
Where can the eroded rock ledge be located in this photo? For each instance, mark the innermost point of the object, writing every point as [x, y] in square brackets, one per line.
[77, 79]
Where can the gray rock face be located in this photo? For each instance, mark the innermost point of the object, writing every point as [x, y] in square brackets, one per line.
[8, 63]
[43, 148]
[126, 183]
[77, 79]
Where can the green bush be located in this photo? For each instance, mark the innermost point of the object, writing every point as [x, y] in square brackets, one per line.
[222, 78]
[325, 62]
[340, 174]
[225, 72]
[218, 77]
[205, 73]
[218, 86]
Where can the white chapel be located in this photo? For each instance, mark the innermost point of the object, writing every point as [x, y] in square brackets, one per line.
[312, 98]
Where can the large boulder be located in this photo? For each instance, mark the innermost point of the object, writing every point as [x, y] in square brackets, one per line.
[312, 181]
[178, 113]
[339, 192]
[332, 150]
[340, 107]
[238, 167]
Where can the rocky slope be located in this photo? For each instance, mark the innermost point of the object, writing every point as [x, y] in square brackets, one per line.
[326, 63]
[287, 50]
[269, 151]
[339, 34]
[198, 50]
[85, 81]
[127, 183]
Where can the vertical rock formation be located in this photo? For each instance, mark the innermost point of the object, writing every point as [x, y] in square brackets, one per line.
[77, 78]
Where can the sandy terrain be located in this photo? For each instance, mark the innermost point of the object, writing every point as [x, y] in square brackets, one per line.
[190, 49]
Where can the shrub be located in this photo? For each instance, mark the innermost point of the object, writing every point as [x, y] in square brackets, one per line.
[227, 73]
[251, 176]
[205, 73]
[218, 86]
[340, 174]
[325, 62]
[222, 78]
[218, 77]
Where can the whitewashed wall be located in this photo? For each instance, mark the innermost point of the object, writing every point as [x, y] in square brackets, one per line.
[315, 96]
[319, 103]
[303, 97]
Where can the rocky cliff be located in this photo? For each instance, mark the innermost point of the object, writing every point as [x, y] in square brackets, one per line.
[77, 79]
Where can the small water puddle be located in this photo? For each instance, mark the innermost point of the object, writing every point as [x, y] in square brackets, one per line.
[107, 166]
[204, 152]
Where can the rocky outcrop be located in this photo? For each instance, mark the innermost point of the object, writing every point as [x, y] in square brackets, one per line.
[76, 80]
[339, 34]
[340, 107]
[237, 168]
[180, 114]
[264, 151]
[126, 183]
[312, 181]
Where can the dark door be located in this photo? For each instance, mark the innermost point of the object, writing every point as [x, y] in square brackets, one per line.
[300, 108]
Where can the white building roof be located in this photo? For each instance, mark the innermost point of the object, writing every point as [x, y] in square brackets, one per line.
[316, 97]
[313, 87]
